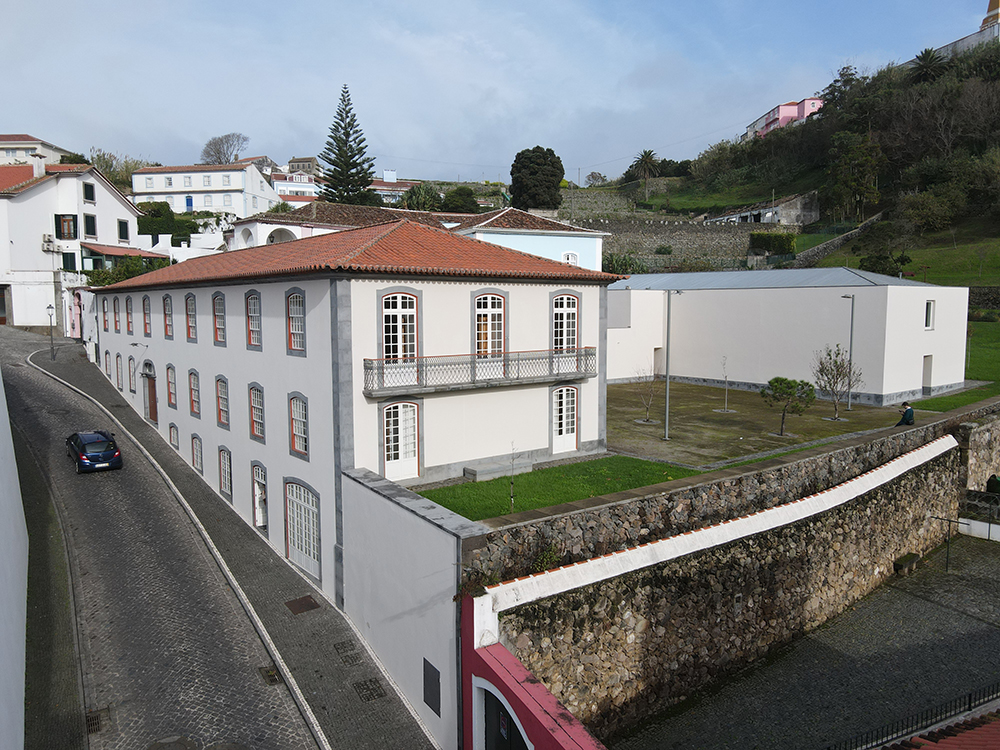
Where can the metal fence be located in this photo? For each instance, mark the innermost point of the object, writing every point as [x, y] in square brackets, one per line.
[473, 369]
[916, 722]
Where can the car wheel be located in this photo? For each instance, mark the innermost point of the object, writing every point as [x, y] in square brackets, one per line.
[77, 465]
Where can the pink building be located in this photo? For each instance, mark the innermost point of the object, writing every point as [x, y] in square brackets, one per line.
[782, 115]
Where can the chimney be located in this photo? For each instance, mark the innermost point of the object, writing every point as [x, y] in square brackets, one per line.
[38, 165]
[388, 175]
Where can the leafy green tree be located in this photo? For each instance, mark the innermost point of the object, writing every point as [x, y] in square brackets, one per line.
[460, 200]
[126, 268]
[73, 159]
[421, 197]
[856, 161]
[644, 166]
[118, 168]
[624, 263]
[350, 170]
[928, 66]
[793, 396]
[884, 248]
[534, 179]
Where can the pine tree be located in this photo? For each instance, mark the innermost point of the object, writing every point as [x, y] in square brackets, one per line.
[350, 171]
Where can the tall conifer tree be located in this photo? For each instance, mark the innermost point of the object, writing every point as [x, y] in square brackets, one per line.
[350, 170]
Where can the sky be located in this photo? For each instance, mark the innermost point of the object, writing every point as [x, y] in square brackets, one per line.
[442, 89]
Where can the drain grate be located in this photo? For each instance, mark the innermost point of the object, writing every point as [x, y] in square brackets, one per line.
[347, 652]
[302, 604]
[271, 675]
[369, 690]
[343, 647]
[97, 721]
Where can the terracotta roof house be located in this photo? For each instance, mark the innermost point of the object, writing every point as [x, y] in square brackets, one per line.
[55, 222]
[510, 227]
[19, 148]
[307, 381]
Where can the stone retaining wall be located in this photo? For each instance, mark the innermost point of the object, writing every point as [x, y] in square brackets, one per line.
[987, 297]
[614, 652]
[812, 256]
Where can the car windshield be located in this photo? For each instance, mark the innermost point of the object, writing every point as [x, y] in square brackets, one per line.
[98, 447]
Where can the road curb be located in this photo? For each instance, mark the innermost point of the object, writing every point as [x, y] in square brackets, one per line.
[272, 649]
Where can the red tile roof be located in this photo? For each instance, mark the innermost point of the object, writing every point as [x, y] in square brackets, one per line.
[120, 251]
[15, 175]
[19, 137]
[297, 198]
[400, 248]
[980, 733]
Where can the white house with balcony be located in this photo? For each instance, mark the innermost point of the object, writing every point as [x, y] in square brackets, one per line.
[410, 351]
[56, 221]
[239, 189]
[297, 184]
[750, 326]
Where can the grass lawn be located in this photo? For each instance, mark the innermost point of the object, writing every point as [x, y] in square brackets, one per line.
[809, 241]
[984, 364]
[553, 486]
[969, 256]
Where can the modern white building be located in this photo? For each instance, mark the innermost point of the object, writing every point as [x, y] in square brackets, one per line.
[908, 337]
[509, 227]
[21, 148]
[239, 189]
[56, 221]
[410, 351]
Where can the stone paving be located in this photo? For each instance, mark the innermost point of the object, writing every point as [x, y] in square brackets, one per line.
[353, 703]
[911, 645]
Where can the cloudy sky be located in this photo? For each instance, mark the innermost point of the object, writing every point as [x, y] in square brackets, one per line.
[443, 89]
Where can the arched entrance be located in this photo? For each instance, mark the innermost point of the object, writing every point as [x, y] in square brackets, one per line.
[280, 235]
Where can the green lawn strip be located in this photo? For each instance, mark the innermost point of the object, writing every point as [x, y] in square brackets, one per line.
[984, 364]
[809, 241]
[553, 486]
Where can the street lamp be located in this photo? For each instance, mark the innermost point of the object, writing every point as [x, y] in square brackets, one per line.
[850, 354]
[52, 347]
[666, 366]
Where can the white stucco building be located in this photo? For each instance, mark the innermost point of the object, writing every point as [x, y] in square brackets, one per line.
[509, 227]
[239, 189]
[56, 221]
[410, 351]
[909, 337]
[21, 148]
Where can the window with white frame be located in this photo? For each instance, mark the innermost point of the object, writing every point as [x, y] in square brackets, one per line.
[175, 435]
[131, 374]
[226, 180]
[296, 313]
[123, 233]
[298, 414]
[253, 320]
[259, 479]
[206, 180]
[219, 317]
[149, 183]
[191, 317]
[302, 525]
[399, 429]
[187, 181]
[170, 201]
[572, 258]
[168, 181]
[564, 419]
[117, 311]
[256, 412]
[107, 363]
[225, 472]
[929, 315]
[119, 381]
[171, 386]
[222, 401]
[128, 315]
[194, 391]
[104, 312]
[197, 459]
[147, 317]
[227, 200]
[564, 321]
[399, 326]
[489, 325]
[168, 317]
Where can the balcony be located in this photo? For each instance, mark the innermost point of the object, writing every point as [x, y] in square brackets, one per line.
[396, 377]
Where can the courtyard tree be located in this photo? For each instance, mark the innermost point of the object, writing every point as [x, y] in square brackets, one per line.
[422, 197]
[791, 396]
[835, 374]
[460, 200]
[224, 149]
[534, 179]
[349, 171]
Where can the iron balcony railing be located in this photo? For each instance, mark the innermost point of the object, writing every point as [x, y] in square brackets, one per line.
[463, 371]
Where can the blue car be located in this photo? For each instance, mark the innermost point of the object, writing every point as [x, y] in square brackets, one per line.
[94, 451]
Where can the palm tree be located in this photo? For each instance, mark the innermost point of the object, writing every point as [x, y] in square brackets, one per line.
[928, 66]
[646, 165]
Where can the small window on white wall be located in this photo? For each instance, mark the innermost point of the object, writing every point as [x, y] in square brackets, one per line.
[227, 200]
[929, 315]
[572, 258]
[226, 180]
[208, 200]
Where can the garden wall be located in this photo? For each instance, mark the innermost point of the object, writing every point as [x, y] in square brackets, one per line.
[987, 297]
[615, 651]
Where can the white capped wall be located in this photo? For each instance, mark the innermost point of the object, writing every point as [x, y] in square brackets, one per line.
[13, 587]
[550, 245]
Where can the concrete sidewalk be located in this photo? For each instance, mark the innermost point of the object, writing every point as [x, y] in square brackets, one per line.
[352, 702]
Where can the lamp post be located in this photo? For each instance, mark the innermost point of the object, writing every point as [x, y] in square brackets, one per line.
[666, 366]
[52, 347]
[850, 354]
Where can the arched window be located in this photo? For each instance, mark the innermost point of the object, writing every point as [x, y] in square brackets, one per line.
[119, 380]
[104, 312]
[128, 316]
[168, 317]
[256, 412]
[564, 420]
[296, 312]
[147, 317]
[399, 429]
[222, 401]
[191, 317]
[299, 417]
[226, 472]
[302, 525]
[564, 322]
[171, 386]
[131, 374]
[197, 460]
[194, 388]
[219, 317]
[253, 320]
[118, 317]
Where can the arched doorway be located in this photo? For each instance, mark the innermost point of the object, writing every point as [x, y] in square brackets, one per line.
[280, 235]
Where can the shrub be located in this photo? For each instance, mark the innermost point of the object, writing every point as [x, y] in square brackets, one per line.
[664, 250]
[984, 316]
[772, 243]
